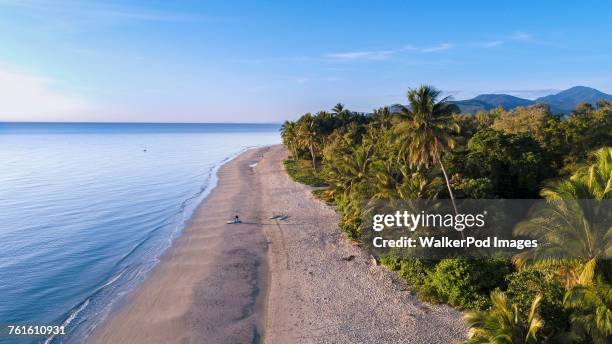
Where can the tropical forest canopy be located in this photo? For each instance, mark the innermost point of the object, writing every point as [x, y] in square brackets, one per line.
[428, 149]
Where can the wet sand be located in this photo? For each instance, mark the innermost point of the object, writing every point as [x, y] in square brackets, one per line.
[272, 281]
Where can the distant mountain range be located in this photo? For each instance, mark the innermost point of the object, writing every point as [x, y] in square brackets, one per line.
[562, 102]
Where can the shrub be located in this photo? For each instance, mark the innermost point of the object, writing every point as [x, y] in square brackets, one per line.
[522, 289]
[415, 271]
[391, 262]
[350, 220]
[504, 323]
[479, 188]
[467, 283]
[301, 171]
[322, 195]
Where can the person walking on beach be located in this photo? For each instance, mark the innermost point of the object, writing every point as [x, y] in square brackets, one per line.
[235, 220]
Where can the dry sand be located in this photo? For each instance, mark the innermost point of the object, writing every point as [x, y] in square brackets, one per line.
[272, 281]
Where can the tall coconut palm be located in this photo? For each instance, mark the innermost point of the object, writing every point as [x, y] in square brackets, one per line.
[341, 112]
[308, 136]
[339, 109]
[503, 323]
[426, 128]
[289, 136]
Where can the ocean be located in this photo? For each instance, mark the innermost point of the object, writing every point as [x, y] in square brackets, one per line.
[86, 210]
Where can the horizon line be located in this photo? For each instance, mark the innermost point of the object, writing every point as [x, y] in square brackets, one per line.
[128, 122]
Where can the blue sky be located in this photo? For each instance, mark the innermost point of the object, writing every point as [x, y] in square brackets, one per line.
[267, 61]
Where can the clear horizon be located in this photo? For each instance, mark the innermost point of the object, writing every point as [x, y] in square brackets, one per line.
[115, 122]
[241, 62]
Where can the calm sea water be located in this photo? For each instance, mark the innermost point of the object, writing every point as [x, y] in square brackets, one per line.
[87, 209]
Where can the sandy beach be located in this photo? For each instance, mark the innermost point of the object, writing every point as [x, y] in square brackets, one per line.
[296, 280]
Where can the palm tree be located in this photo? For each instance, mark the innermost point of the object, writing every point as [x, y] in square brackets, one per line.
[383, 117]
[289, 136]
[350, 170]
[573, 226]
[387, 179]
[416, 185]
[425, 130]
[591, 307]
[589, 182]
[573, 234]
[341, 112]
[503, 323]
[308, 136]
[339, 109]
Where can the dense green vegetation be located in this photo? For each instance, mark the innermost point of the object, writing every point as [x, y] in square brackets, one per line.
[428, 150]
[300, 172]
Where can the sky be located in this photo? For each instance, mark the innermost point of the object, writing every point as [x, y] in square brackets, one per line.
[268, 61]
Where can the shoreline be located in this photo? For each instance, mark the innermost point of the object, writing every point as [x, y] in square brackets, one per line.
[109, 310]
[164, 307]
[271, 281]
